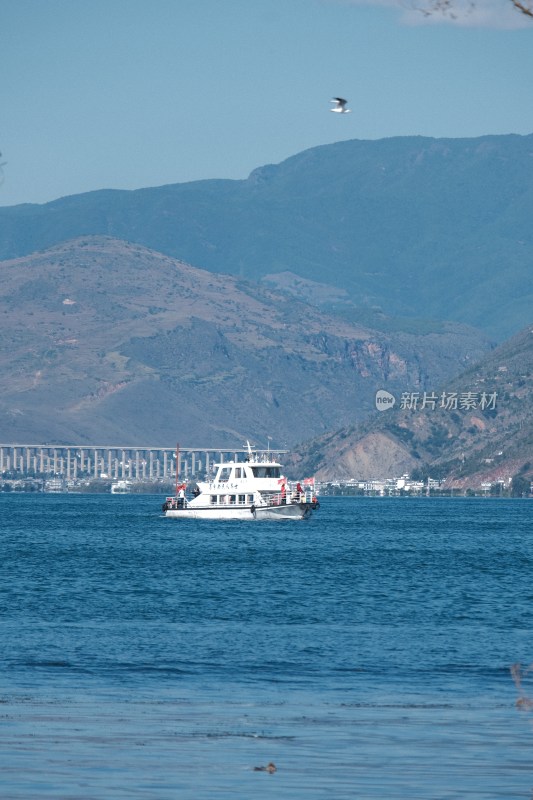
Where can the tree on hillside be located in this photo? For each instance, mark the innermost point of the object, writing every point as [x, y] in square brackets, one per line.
[520, 486]
[448, 7]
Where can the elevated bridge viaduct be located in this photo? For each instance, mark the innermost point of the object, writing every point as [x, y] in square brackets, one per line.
[149, 463]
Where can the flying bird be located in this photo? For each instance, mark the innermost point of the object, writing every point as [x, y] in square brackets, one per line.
[340, 105]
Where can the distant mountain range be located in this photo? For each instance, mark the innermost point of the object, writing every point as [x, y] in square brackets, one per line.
[107, 342]
[351, 268]
[477, 427]
[411, 227]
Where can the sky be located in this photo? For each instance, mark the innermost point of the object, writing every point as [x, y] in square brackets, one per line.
[126, 94]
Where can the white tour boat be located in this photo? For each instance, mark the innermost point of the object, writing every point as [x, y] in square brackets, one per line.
[121, 487]
[251, 489]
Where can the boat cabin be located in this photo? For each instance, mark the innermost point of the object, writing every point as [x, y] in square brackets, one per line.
[242, 483]
[239, 472]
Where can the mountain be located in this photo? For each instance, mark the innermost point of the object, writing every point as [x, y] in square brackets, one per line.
[487, 437]
[407, 226]
[107, 342]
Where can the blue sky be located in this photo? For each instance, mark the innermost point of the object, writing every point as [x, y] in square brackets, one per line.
[132, 93]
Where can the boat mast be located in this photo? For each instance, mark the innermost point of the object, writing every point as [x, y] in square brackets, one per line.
[177, 466]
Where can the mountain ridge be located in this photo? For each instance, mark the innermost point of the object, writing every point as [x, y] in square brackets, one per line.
[104, 340]
[399, 224]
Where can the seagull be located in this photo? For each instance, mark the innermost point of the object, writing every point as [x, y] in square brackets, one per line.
[340, 105]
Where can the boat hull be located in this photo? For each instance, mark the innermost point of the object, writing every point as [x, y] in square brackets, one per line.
[205, 512]
[276, 512]
[290, 511]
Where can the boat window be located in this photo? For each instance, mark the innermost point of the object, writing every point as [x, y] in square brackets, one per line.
[242, 499]
[266, 472]
[237, 472]
[232, 498]
[250, 498]
[223, 475]
[213, 499]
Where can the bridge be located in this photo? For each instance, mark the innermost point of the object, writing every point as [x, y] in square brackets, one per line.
[115, 462]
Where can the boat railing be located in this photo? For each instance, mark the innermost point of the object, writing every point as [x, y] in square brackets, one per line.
[283, 498]
[176, 502]
[277, 498]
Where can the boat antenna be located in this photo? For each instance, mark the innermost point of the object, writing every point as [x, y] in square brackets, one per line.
[177, 466]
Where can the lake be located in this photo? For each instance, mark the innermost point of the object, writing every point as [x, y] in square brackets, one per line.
[366, 652]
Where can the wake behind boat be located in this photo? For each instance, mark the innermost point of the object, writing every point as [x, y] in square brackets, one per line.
[251, 489]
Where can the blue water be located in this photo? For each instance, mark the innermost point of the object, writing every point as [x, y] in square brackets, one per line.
[366, 651]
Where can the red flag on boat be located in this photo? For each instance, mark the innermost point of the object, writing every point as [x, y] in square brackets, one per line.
[181, 486]
[309, 481]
